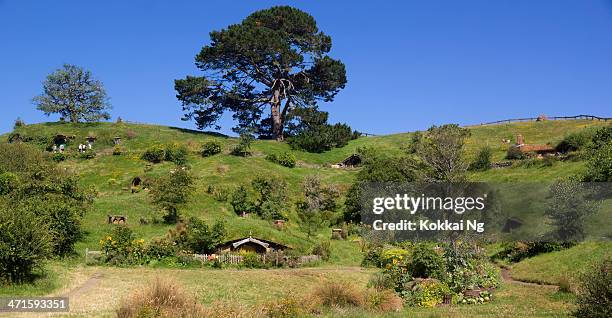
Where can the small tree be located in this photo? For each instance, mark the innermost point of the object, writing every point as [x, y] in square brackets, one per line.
[240, 201]
[203, 239]
[595, 296]
[599, 165]
[568, 207]
[441, 150]
[73, 93]
[482, 161]
[318, 205]
[172, 191]
[243, 149]
[272, 194]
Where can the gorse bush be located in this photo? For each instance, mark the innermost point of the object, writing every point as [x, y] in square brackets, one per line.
[594, 298]
[285, 159]
[211, 148]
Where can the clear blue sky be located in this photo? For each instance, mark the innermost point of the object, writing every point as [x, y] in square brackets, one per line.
[410, 64]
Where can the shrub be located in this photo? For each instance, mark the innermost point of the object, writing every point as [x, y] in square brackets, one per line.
[161, 299]
[154, 154]
[574, 141]
[252, 260]
[240, 201]
[322, 249]
[87, 154]
[425, 262]
[220, 194]
[337, 294]
[171, 191]
[200, 238]
[482, 161]
[160, 248]
[384, 300]
[8, 181]
[117, 151]
[120, 246]
[425, 292]
[24, 244]
[322, 138]
[211, 148]
[243, 149]
[515, 153]
[594, 298]
[517, 251]
[18, 123]
[176, 153]
[59, 157]
[382, 281]
[599, 165]
[286, 159]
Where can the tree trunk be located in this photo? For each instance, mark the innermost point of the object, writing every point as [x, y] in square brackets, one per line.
[74, 118]
[277, 120]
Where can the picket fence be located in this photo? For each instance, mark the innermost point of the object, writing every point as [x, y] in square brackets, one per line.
[235, 259]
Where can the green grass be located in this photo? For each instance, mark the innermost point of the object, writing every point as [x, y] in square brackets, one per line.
[111, 175]
[552, 267]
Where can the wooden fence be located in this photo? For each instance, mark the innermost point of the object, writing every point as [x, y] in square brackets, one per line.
[235, 259]
[577, 117]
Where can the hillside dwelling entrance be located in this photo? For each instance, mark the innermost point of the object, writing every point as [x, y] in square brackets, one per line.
[352, 161]
[136, 182]
[250, 244]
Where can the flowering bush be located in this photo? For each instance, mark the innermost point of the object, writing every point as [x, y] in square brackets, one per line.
[120, 247]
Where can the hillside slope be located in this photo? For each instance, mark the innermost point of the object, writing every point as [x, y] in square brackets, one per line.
[111, 175]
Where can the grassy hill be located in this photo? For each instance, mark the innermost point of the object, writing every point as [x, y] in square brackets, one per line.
[111, 175]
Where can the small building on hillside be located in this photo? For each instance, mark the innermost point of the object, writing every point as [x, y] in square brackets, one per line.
[250, 244]
[350, 162]
[539, 150]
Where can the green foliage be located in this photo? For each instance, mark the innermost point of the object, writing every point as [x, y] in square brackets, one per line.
[280, 53]
[482, 161]
[426, 262]
[243, 149]
[121, 247]
[569, 205]
[154, 154]
[318, 204]
[172, 191]
[18, 123]
[594, 298]
[322, 138]
[271, 196]
[599, 165]
[176, 153]
[73, 93]
[425, 293]
[252, 260]
[201, 238]
[87, 154]
[240, 201]
[59, 157]
[515, 153]
[8, 182]
[441, 150]
[285, 159]
[575, 141]
[24, 244]
[211, 148]
[323, 249]
[517, 251]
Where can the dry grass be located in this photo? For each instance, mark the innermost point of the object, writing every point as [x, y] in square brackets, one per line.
[162, 299]
[337, 294]
[383, 300]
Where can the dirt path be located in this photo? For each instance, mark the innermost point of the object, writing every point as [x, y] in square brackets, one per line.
[505, 273]
[87, 285]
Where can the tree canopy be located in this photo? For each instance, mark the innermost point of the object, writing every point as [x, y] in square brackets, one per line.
[73, 93]
[274, 59]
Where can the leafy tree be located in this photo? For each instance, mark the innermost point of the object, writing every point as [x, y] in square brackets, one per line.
[24, 243]
[203, 239]
[243, 149]
[599, 165]
[441, 151]
[73, 93]
[172, 191]
[482, 161]
[568, 207]
[274, 58]
[51, 193]
[318, 204]
[271, 196]
[240, 201]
